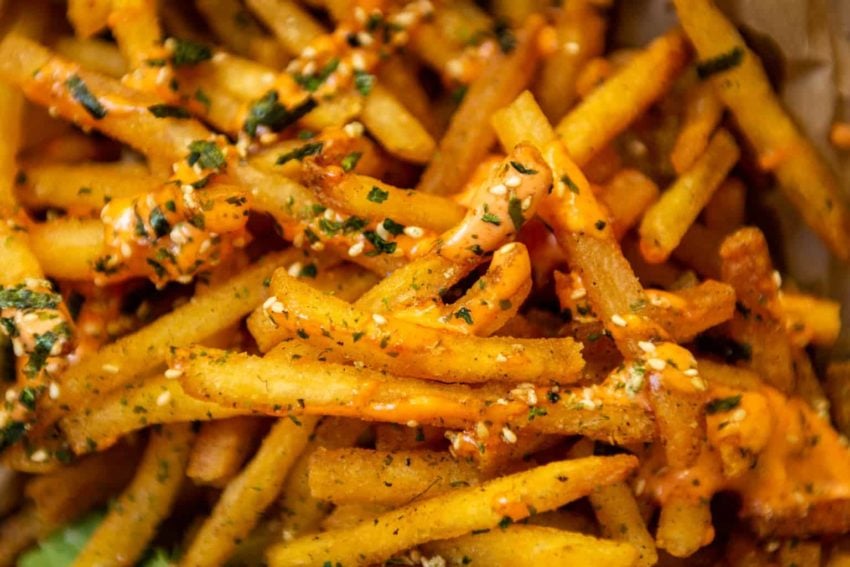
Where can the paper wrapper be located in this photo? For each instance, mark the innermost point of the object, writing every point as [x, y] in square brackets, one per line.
[809, 41]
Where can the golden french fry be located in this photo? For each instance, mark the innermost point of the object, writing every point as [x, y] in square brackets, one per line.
[130, 524]
[456, 513]
[249, 494]
[702, 113]
[221, 448]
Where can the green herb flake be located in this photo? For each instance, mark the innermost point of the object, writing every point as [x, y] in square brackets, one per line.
[719, 405]
[349, 162]
[522, 169]
[491, 218]
[377, 195]
[364, 82]
[515, 212]
[381, 246]
[393, 227]
[465, 314]
[313, 81]
[206, 154]
[565, 179]
[84, 96]
[160, 224]
[269, 112]
[168, 111]
[720, 63]
[299, 154]
[187, 52]
[309, 271]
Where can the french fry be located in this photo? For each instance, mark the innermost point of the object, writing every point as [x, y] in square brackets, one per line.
[18, 532]
[325, 388]
[796, 552]
[759, 321]
[249, 494]
[470, 134]
[395, 128]
[811, 319]
[684, 527]
[68, 247]
[88, 16]
[608, 110]
[456, 513]
[725, 210]
[687, 312]
[528, 546]
[18, 259]
[234, 26]
[580, 30]
[744, 89]
[394, 345]
[627, 196]
[69, 492]
[398, 75]
[301, 512]
[96, 54]
[141, 352]
[410, 208]
[221, 448]
[130, 524]
[837, 386]
[617, 512]
[396, 437]
[667, 221]
[135, 25]
[363, 476]
[807, 385]
[84, 188]
[701, 115]
[293, 26]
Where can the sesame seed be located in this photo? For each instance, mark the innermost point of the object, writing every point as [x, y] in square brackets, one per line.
[646, 346]
[498, 189]
[205, 246]
[507, 248]
[163, 398]
[11, 395]
[267, 304]
[508, 435]
[640, 485]
[308, 52]
[413, 423]
[110, 368]
[618, 320]
[379, 319]
[294, 269]
[698, 383]
[356, 249]
[481, 430]
[572, 47]
[317, 246]
[501, 358]
[414, 231]
[39, 456]
[578, 293]
[739, 414]
[513, 181]
[277, 307]
[777, 278]
[691, 372]
[53, 391]
[526, 203]
[383, 232]
[173, 373]
[656, 364]
[126, 250]
[287, 535]
[353, 129]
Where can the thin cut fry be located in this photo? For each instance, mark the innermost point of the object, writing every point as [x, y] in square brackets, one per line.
[221, 448]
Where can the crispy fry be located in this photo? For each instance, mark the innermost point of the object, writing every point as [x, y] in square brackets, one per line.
[811, 319]
[544, 488]
[745, 90]
[725, 210]
[397, 130]
[627, 196]
[702, 113]
[248, 495]
[128, 528]
[68, 247]
[221, 448]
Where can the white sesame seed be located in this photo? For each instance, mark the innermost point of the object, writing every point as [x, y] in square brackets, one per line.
[308, 52]
[640, 485]
[294, 269]
[267, 304]
[53, 391]
[777, 278]
[698, 383]
[526, 203]
[39, 456]
[277, 307]
[501, 358]
[163, 398]
[309, 68]
[383, 232]
[356, 249]
[691, 372]
[414, 231]
[646, 346]
[507, 248]
[513, 181]
[656, 364]
[205, 246]
[572, 47]
[317, 246]
[498, 189]
[508, 435]
[11, 395]
[739, 414]
[358, 61]
[578, 293]
[413, 423]
[364, 38]
[173, 373]
[618, 320]
[110, 368]
[126, 249]
[353, 129]
[379, 319]
[287, 535]
[481, 430]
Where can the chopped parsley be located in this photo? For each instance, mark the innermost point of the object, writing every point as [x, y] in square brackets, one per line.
[522, 169]
[393, 227]
[21, 297]
[600, 224]
[364, 82]
[381, 245]
[43, 345]
[309, 271]
[465, 314]
[459, 94]
[535, 411]
[719, 405]
[349, 162]
[515, 212]
[720, 63]
[491, 218]
[187, 52]
[313, 81]
[565, 179]
[160, 224]
[206, 154]
[377, 195]
[269, 112]
[299, 154]
[168, 111]
[505, 37]
[83, 95]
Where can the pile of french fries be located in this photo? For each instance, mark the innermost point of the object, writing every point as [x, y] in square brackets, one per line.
[412, 282]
